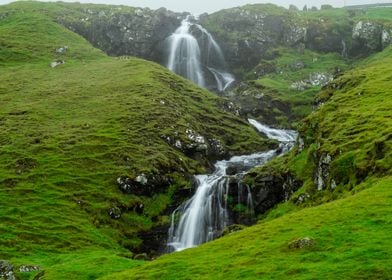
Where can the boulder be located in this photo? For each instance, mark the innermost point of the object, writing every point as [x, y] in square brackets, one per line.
[301, 243]
[114, 213]
[6, 270]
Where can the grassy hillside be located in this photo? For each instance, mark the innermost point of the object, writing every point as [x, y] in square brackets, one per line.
[350, 241]
[282, 52]
[347, 238]
[67, 133]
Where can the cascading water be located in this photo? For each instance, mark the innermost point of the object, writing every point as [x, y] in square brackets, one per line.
[195, 58]
[206, 214]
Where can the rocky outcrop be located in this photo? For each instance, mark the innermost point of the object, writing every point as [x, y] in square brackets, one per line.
[367, 35]
[143, 185]
[301, 243]
[259, 103]
[120, 30]
[6, 270]
[270, 189]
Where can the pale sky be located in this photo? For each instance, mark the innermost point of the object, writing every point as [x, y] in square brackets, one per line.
[201, 6]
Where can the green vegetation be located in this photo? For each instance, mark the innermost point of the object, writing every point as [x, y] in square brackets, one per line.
[67, 133]
[350, 235]
[351, 241]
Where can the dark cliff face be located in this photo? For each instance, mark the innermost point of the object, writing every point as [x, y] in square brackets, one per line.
[248, 34]
[120, 31]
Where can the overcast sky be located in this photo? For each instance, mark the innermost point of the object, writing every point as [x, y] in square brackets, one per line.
[200, 6]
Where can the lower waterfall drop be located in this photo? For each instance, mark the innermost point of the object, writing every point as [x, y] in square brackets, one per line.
[203, 217]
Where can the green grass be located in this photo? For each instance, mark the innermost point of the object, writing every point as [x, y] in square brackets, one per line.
[351, 240]
[68, 132]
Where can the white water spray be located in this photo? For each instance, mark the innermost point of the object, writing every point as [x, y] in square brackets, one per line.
[194, 58]
[205, 215]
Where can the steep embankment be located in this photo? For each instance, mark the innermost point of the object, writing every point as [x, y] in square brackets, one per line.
[93, 150]
[346, 153]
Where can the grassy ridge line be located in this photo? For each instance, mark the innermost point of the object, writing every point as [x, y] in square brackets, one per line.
[351, 242]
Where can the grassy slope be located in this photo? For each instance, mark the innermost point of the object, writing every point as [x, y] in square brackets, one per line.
[351, 242]
[351, 234]
[67, 133]
[276, 85]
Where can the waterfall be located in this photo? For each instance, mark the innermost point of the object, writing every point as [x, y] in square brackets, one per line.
[196, 58]
[205, 215]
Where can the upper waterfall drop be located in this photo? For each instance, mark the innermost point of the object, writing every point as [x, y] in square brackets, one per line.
[184, 56]
[199, 59]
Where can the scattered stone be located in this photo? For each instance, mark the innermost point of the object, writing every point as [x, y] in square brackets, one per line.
[198, 142]
[62, 50]
[301, 144]
[6, 270]
[142, 179]
[299, 85]
[29, 268]
[303, 198]
[178, 144]
[333, 184]
[301, 243]
[56, 63]
[320, 79]
[232, 228]
[297, 65]
[115, 213]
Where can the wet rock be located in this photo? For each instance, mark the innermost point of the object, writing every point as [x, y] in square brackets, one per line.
[115, 213]
[301, 243]
[232, 170]
[269, 190]
[216, 148]
[6, 270]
